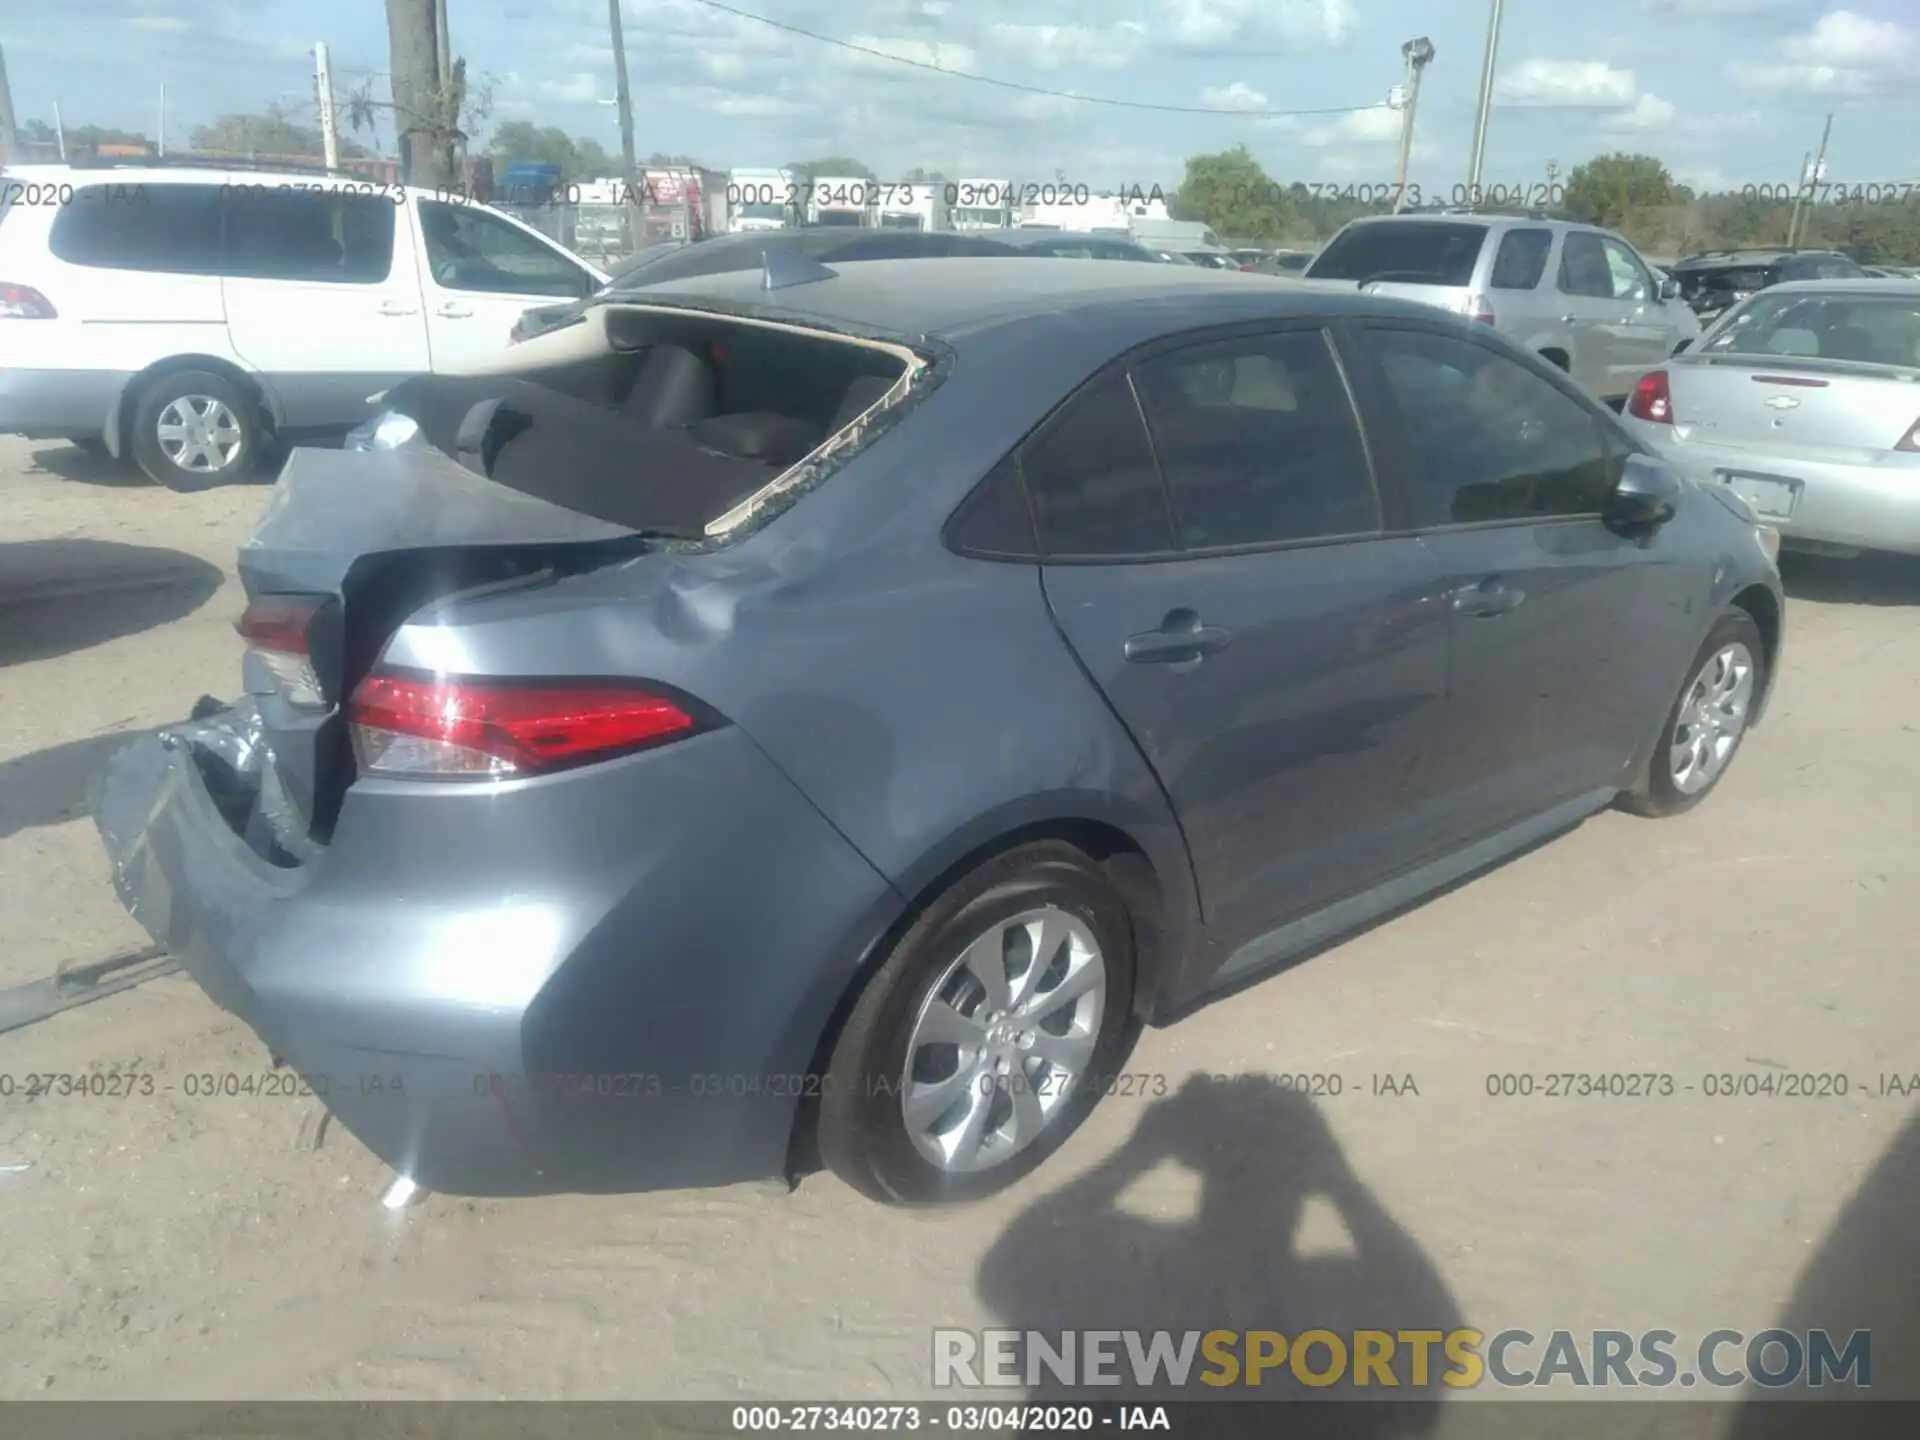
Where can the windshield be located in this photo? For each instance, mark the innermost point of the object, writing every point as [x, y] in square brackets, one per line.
[1431, 252]
[761, 211]
[903, 222]
[1867, 330]
[1724, 283]
[976, 215]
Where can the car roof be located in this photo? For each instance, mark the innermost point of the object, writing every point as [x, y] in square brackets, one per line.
[948, 299]
[200, 172]
[1473, 217]
[1869, 287]
[1043, 237]
[1715, 259]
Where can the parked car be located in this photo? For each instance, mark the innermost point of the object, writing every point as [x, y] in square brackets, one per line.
[1285, 262]
[1578, 295]
[758, 721]
[746, 251]
[1074, 245]
[1213, 259]
[1804, 400]
[1249, 258]
[190, 317]
[1714, 281]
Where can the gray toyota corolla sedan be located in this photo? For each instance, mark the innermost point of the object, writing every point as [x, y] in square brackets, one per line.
[819, 714]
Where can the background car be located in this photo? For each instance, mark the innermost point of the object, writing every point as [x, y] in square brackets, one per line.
[1285, 262]
[1580, 296]
[1713, 281]
[840, 733]
[1802, 401]
[192, 317]
[1073, 245]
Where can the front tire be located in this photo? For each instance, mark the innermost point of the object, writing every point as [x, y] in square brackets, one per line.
[981, 1043]
[1708, 720]
[194, 428]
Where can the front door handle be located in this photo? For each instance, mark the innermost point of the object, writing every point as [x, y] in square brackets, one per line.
[1180, 639]
[394, 307]
[1489, 597]
[453, 311]
[1569, 319]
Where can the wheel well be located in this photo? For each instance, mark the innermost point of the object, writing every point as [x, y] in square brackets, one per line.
[1118, 856]
[1759, 603]
[130, 396]
[1557, 356]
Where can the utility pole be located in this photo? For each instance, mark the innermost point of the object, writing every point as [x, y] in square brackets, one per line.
[161, 138]
[1486, 104]
[623, 98]
[59, 132]
[9, 140]
[323, 82]
[1419, 55]
[1809, 178]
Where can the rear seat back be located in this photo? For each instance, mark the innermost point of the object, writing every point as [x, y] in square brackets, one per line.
[674, 387]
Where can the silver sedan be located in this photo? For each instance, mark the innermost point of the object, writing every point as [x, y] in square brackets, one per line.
[1804, 400]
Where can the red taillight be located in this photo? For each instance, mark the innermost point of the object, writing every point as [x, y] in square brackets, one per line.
[447, 727]
[1479, 311]
[279, 622]
[1910, 442]
[1652, 400]
[23, 302]
[278, 629]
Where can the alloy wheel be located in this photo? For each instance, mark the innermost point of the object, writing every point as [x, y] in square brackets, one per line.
[199, 433]
[1713, 716]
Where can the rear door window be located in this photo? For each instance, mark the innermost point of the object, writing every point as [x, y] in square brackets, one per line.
[293, 234]
[1093, 481]
[1425, 252]
[172, 229]
[1521, 261]
[1584, 269]
[1489, 439]
[1631, 279]
[1258, 442]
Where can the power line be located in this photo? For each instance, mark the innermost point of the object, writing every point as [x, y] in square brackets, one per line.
[1033, 89]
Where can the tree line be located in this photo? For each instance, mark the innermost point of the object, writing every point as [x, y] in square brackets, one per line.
[1633, 194]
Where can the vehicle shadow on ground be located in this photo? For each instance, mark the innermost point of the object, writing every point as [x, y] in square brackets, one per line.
[1865, 1275]
[53, 786]
[96, 467]
[1865, 580]
[62, 595]
[1083, 1258]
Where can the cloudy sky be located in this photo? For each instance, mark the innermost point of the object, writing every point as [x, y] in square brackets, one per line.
[1727, 92]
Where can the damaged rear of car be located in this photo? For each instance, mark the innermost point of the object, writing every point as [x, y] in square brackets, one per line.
[437, 866]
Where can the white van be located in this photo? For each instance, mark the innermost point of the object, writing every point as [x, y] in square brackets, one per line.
[191, 318]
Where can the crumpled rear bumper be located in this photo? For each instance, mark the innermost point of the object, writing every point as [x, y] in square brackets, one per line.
[507, 990]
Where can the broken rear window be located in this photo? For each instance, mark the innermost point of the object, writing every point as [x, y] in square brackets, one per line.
[662, 421]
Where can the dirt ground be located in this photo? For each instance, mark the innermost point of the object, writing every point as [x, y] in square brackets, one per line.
[171, 1248]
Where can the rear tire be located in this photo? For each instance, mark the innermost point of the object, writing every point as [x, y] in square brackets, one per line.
[907, 1117]
[193, 429]
[1707, 722]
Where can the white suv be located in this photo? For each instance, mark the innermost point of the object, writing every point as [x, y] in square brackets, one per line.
[193, 317]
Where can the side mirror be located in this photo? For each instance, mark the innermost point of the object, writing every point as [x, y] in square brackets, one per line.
[1645, 497]
[1669, 289]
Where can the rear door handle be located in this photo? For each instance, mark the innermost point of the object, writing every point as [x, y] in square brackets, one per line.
[453, 311]
[1180, 639]
[1489, 597]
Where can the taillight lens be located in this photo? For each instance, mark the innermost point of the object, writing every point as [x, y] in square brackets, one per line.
[452, 728]
[23, 302]
[1652, 399]
[278, 629]
[1910, 442]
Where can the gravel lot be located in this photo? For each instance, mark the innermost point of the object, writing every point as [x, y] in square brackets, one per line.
[168, 1247]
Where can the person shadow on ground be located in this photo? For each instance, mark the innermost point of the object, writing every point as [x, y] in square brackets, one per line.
[1079, 1259]
[1864, 1276]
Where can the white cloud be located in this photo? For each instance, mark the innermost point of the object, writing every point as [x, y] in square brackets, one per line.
[1649, 114]
[1379, 126]
[940, 55]
[1052, 47]
[1237, 96]
[577, 89]
[1844, 53]
[1221, 26]
[1569, 83]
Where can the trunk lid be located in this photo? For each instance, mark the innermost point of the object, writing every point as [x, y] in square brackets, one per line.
[1834, 411]
[373, 536]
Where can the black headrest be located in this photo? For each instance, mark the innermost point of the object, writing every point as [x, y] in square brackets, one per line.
[861, 394]
[771, 439]
[673, 387]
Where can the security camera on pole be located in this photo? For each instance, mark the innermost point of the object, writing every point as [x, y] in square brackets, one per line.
[1419, 55]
